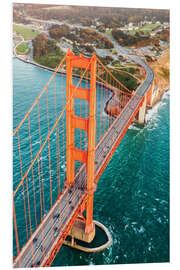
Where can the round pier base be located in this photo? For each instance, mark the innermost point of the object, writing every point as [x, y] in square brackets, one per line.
[102, 240]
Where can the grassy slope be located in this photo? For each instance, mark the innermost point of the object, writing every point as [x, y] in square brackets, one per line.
[22, 48]
[27, 33]
[147, 28]
[50, 60]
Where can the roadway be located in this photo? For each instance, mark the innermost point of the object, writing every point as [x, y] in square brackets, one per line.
[36, 251]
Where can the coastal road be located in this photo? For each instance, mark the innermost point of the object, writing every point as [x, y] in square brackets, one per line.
[128, 53]
[22, 40]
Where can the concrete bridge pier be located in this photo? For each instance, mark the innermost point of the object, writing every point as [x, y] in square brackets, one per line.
[78, 232]
[140, 117]
[148, 101]
[86, 242]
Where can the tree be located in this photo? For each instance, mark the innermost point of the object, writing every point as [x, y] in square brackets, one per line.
[59, 31]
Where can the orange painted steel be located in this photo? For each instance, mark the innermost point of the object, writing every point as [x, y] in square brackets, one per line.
[39, 124]
[73, 121]
[86, 177]
[28, 206]
[69, 127]
[15, 228]
[39, 186]
[23, 184]
[82, 93]
[32, 168]
[149, 95]
[91, 146]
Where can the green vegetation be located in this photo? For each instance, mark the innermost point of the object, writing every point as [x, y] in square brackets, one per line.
[129, 70]
[106, 59]
[137, 40]
[81, 35]
[109, 32]
[117, 64]
[59, 31]
[140, 31]
[130, 82]
[23, 48]
[151, 26]
[50, 60]
[46, 52]
[27, 33]
[126, 79]
[145, 30]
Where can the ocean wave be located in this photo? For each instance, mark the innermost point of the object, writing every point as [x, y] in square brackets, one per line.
[152, 114]
[166, 95]
[134, 127]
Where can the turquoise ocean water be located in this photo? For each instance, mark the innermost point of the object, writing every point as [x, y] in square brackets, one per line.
[132, 198]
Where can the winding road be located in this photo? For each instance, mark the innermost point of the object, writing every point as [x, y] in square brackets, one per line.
[128, 53]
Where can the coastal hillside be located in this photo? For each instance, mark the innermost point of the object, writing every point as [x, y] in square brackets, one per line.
[161, 68]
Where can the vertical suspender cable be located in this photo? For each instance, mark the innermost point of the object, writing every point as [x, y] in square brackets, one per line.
[22, 183]
[32, 169]
[41, 156]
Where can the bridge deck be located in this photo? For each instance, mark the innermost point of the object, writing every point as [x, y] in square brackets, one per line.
[36, 251]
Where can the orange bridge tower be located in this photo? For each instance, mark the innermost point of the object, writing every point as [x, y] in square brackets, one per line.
[84, 228]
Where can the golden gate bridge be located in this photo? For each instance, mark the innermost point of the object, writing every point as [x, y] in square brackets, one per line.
[49, 200]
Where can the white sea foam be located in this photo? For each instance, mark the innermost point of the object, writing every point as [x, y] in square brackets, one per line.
[134, 127]
[36, 142]
[142, 229]
[153, 113]
[126, 226]
[159, 220]
[166, 95]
